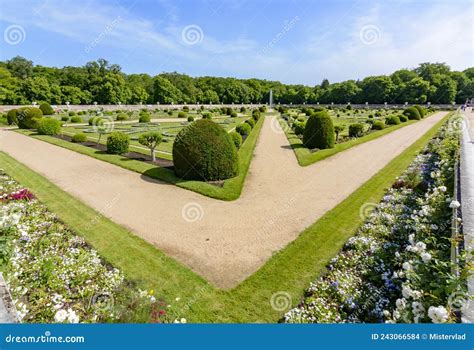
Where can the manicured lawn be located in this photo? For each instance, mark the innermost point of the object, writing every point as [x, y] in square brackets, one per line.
[229, 191]
[306, 157]
[290, 270]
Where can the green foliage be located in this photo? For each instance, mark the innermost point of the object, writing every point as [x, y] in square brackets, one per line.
[262, 109]
[204, 151]
[250, 122]
[151, 140]
[72, 113]
[319, 131]
[337, 130]
[65, 118]
[182, 115]
[118, 143]
[412, 113]
[186, 109]
[403, 118]
[79, 137]
[421, 110]
[48, 126]
[144, 118]
[190, 118]
[46, 109]
[95, 121]
[298, 127]
[236, 138]
[256, 114]
[378, 125]
[243, 129]
[233, 114]
[122, 117]
[356, 130]
[207, 116]
[12, 116]
[28, 117]
[393, 120]
[76, 119]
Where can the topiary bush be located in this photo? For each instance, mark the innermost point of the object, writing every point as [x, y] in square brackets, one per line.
[207, 116]
[76, 119]
[118, 143]
[121, 117]
[46, 109]
[144, 118]
[186, 109]
[403, 118]
[298, 127]
[250, 122]
[233, 114]
[319, 131]
[11, 116]
[28, 117]
[262, 109]
[378, 125]
[243, 129]
[72, 113]
[48, 126]
[356, 130]
[94, 121]
[236, 138]
[204, 151]
[65, 118]
[79, 137]
[412, 113]
[421, 110]
[256, 114]
[182, 115]
[393, 120]
[190, 118]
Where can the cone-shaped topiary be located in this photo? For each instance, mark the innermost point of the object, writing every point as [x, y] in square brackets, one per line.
[319, 131]
[204, 151]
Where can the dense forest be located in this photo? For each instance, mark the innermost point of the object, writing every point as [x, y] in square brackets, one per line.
[22, 82]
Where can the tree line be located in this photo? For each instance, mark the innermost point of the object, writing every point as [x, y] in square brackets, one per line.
[22, 82]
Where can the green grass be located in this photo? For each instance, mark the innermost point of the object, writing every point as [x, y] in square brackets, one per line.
[229, 191]
[291, 270]
[306, 157]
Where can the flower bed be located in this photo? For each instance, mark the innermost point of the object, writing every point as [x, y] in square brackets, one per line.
[54, 276]
[397, 268]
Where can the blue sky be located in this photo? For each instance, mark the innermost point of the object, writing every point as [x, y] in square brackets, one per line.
[291, 41]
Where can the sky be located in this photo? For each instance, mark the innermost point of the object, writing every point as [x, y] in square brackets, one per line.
[293, 41]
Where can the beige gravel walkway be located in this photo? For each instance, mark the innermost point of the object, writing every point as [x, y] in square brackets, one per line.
[223, 241]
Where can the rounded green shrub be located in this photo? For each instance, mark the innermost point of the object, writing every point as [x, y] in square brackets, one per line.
[403, 118]
[233, 114]
[118, 143]
[256, 114]
[250, 122]
[186, 109]
[228, 111]
[319, 131]
[48, 126]
[121, 117]
[72, 113]
[412, 113]
[207, 116]
[79, 137]
[421, 110]
[12, 116]
[94, 120]
[299, 127]
[236, 138]
[262, 109]
[28, 117]
[204, 151]
[46, 109]
[393, 120]
[356, 130]
[190, 118]
[243, 129]
[182, 115]
[378, 125]
[144, 118]
[242, 109]
[76, 119]
[65, 118]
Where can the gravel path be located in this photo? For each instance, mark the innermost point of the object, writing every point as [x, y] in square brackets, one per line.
[223, 241]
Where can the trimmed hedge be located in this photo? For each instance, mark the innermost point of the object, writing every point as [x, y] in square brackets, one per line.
[204, 151]
[46, 109]
[421, 110]
[144, 118]
[378, 125]
[122, 116]
[182, 114]
[393, 120]
[236, 138]
[256, 114]
[250, 122]
[298, 127]
[76, 119]
[28, 117]
[118, 143]
[412, 113]
[233, 114]
[190, 118]
[79, 137]
[243, 129]
[403, 118]
[356, 130]
[11, 116]
[49, 126]
[319, 131]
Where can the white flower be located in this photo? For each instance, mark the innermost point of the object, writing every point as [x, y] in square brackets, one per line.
[407, 266]
[60, 316]
[72, 317]
[407, 292]
[426, 257]
[442, 188]
[411, 239]
[421, 246]
[438, 314]
[418, 308]
[401, 303]
[454, 204]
